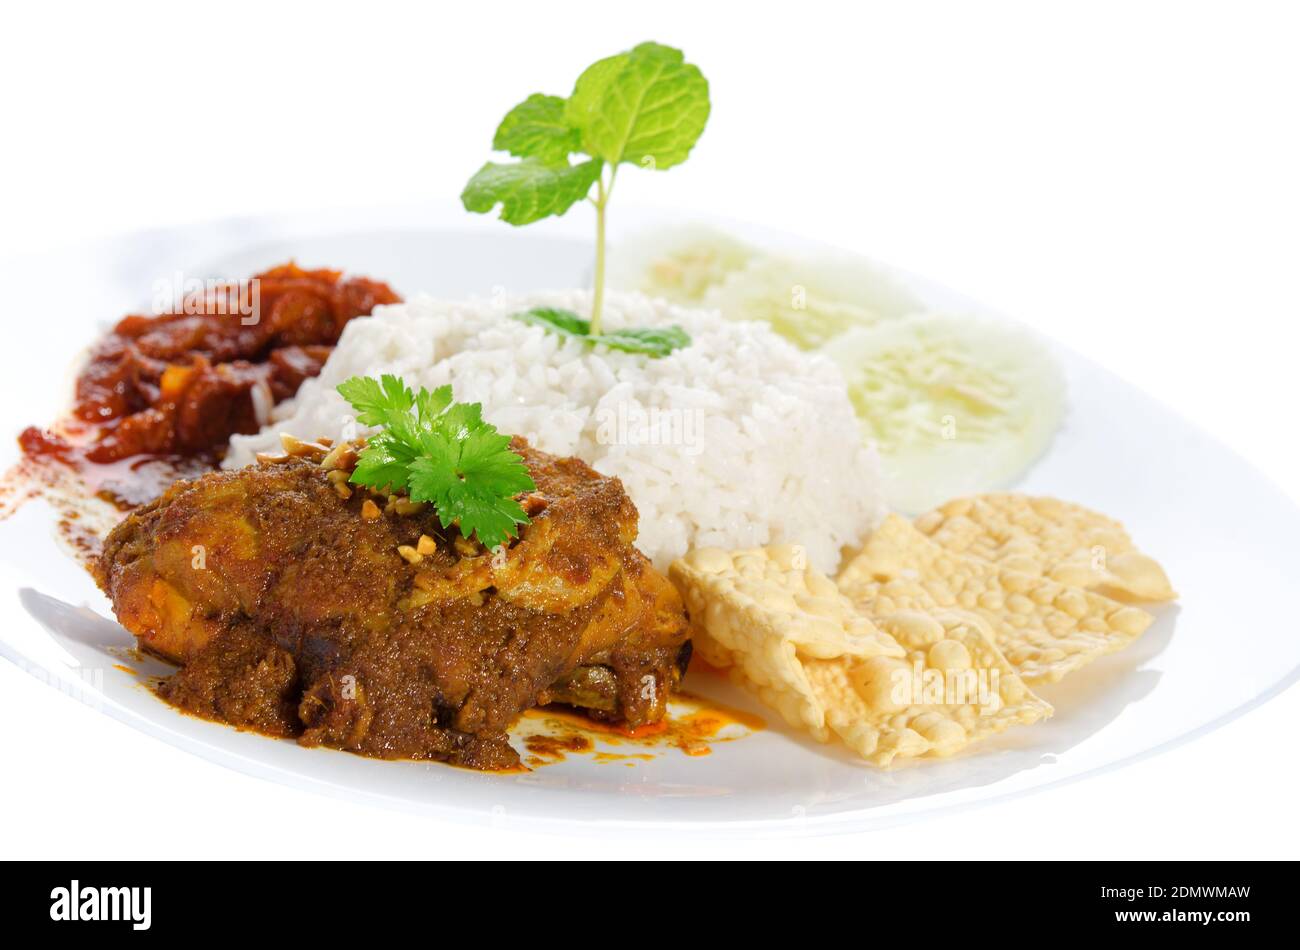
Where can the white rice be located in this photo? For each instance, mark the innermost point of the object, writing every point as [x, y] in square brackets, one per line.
[734, 441]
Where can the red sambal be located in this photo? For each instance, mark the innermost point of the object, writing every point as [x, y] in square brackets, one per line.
[181, 383]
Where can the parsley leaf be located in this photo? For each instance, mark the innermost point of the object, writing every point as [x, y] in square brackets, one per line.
[429, 405]
[440, 451]
[384, 463]
[652, 341]
[375, 399]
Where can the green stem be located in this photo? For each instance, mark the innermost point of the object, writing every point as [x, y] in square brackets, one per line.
[598, 291]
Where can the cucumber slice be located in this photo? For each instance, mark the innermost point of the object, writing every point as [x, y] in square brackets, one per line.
[808, 300]
[679, 264]
[956, 405]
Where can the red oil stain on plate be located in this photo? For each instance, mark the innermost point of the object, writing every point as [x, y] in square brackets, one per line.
[693, 726]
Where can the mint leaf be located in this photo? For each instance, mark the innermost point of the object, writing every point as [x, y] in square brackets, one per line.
[537, 128]
[563, 322]
[651, 341]
[647, 107]
[529, 190]
[591, 87]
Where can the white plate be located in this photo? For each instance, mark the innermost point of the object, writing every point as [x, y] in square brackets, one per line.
[1225, 534]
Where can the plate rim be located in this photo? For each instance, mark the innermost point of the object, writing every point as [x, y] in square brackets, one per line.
[413, 219]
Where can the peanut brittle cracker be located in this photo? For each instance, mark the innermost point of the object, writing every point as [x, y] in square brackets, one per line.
[954, 687]
[763, 614]
[1046, 537]
[1046, 629]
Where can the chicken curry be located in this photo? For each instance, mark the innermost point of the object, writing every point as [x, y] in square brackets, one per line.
[303, 607]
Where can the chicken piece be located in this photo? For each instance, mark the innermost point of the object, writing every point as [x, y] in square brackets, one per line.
[293, 613]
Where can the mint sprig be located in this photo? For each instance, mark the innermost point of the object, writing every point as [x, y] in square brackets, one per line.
[644, 107]
[652, 341]
[529, 190]
[538, 128]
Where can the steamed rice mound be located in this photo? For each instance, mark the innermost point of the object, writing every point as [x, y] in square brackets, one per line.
[737, 440]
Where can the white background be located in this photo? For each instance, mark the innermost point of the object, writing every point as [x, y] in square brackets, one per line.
[1124, 176]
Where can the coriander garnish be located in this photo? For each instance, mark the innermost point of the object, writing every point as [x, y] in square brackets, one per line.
[439, 451]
